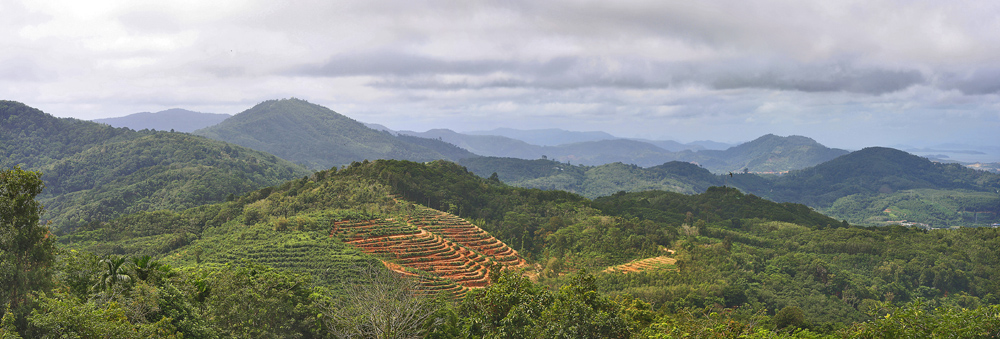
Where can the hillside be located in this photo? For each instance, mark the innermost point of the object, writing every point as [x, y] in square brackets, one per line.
[336, 219]
[95, 172]
[867, 185]
[740, 262]
[175, 119]
[485, 145]
[596, 181]
[547, 137]
[320, 138]
[769, 153]
[873, 186]
[877, 170]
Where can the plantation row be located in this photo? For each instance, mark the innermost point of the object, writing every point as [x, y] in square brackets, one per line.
[460, 231]
[446, 253]
[647, 264]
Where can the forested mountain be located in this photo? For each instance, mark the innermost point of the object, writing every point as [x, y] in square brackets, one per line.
[877, 170]
[320, 138]
[94, 172]
[873, 186]
[595, 181]
[175, 119]
[547, 137]
[769, 153]
[877, 184]
[674, 146]
[737, 265]
[485, 145]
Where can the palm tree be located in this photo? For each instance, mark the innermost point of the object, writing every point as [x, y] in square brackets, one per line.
[115, 273]
[145, 267]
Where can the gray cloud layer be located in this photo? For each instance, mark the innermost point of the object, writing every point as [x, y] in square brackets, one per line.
[682, 69]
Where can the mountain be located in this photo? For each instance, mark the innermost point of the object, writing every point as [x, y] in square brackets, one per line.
[175, 119]
[485, 145]
[769, 153]
[94, 172]
[708, 144]
[874, 186]
[671, 145]
[320, 138]
[877, 170]
[595, 181]
[547, 137]
[295, 249]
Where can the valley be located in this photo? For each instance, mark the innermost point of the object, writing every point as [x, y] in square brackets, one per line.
[258, 226]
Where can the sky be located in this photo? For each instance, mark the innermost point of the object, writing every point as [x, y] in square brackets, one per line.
[848, 74]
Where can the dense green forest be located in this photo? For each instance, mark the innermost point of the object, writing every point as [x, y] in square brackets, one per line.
[94, 172]
[319, 138]
[159, 234]
[873, 186]
[769, 153]
[263, 264]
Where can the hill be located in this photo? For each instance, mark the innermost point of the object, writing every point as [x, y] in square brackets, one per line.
[877, 170]
[769, 153]
[175, 119]
[94, 172]
[737, 255]
[547, 137]
[868, 185]
[335, 219]
[320, 138]
[874, 186]
[485, 145]
[597, 181]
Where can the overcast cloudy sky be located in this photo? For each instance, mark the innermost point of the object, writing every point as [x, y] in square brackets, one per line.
[846, 73]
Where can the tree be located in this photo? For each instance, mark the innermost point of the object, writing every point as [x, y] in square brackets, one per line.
[379, 305]
[251, 300]
[26, 247]
[114, 273]
[790, 316]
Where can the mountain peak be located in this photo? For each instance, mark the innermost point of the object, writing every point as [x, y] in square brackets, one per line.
[318, 137]
[178, 119]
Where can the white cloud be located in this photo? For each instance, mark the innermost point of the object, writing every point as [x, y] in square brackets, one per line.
[729, 69]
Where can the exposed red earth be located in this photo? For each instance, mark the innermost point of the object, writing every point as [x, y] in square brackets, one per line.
[444, 252]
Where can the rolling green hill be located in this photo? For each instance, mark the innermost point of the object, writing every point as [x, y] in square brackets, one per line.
[878, 185]
[769, 153]
[742, 262]
[95, 172]
[596, 181]
[174, 119]
[874, 186]
[320, 138]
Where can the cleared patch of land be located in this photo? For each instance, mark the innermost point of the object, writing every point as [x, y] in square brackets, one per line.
[446, 253]
[647, 264]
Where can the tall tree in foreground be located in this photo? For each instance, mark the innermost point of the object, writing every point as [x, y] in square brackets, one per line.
[380, 305]
[26, 249]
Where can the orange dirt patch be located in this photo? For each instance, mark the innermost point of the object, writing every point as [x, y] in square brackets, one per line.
[444, 252]
[648, 264]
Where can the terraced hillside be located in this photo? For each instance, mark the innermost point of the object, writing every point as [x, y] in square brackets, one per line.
[642, 265]
[445, 252]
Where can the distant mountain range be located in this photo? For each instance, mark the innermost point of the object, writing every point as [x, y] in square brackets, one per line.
[94, 172]
[319, 138]
[872, 186]
[176, 119]
[769, 153]
[547, 137]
